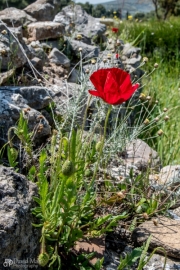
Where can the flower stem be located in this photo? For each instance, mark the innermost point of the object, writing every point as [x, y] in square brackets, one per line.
[102, 145]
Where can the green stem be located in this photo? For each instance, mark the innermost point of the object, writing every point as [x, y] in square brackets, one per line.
[85, 115]
[102, 145]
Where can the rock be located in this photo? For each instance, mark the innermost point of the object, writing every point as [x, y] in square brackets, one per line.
[19, 240]
[44, 30]
[107, 21]
[129, 50]
[170, 175]
[95, 245]
[88, 51]
[83, 23]
[14, 17]
[141, 155]
[133, 61]
[165, 234]
[157, 262]
[12, 102]
[37, 63]
[11, 55]
[5, 76]
[41, 10]
[59, 58]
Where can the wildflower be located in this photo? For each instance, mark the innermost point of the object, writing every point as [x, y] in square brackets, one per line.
[165, 110]
[4, 32]
[166, 118]
[148, 98]
[93, 61]
[113, 85]
[79, 36]
[156, 119]
[156, 65]
[142, 96]
[160, 132]
[115, 30]
[130, 17]
[146, 121]
[145, 59]
[80, 49]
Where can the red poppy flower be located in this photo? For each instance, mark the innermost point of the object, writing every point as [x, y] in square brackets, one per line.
[117, 55]
[115, 30]
[113, 85]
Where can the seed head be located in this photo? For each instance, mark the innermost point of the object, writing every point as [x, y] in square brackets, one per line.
[145, 216]
[148, 98]
[156, 101]
[156, 65]
[146, 121]
[142, 96]
[156, 119]
[87, 71]
[145, 59]
[79, 37]
[80, 49]
[4, 32]
[3, 52]
[165, 110]
[93, 61]
[109, 55]
[160, 132]
[166, 118]
[104, 60]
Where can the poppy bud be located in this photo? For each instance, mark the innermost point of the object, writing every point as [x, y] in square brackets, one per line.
[68, 168]
[98, 146]
[43, 259]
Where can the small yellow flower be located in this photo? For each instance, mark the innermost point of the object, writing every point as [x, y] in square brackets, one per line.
[146, 121]
[142, 96]
[130, 17]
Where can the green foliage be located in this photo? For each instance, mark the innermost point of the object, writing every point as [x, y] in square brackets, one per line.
[15, 3]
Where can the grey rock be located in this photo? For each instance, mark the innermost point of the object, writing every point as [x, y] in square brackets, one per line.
[129, 50]
[141, 155]
[83, 23]
[157, 262]
[88, 51]
[170, 175]
[41, 10]
[37, 63]
[59, 58]
[44, 30]
[15, 17]
[13, 100]
[11, 54]
[19, 240]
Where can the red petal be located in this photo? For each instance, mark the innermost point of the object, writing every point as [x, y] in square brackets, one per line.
[95, 93]
[111, 85]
